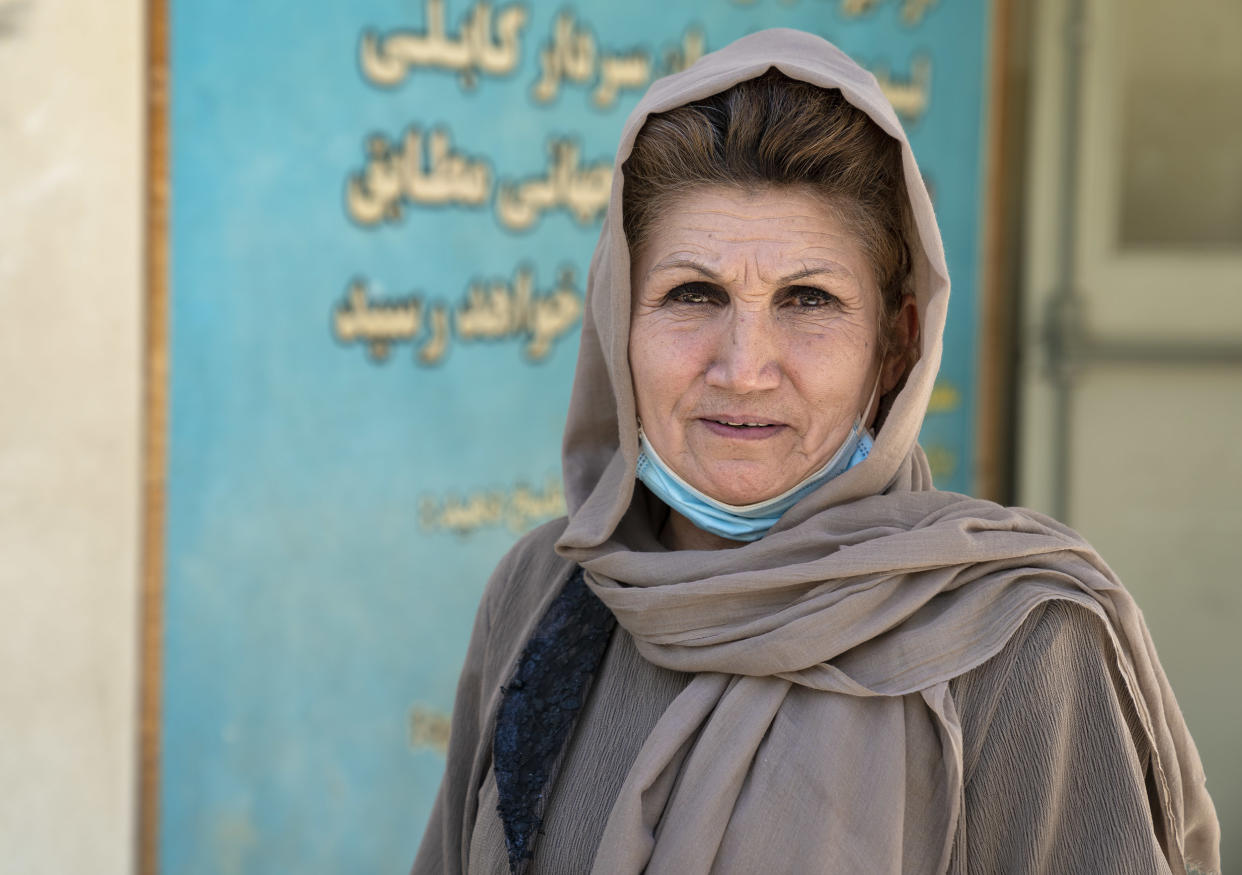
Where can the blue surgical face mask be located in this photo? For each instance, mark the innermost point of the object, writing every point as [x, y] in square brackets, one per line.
[748, 522]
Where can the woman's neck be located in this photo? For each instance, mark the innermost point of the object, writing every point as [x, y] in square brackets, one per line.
[679, 533]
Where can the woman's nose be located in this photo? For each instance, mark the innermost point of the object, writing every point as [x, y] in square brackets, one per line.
[746, 357]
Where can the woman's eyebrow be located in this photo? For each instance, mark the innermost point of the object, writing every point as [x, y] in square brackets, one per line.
[685, 263]
[825, 269]
[828, 269]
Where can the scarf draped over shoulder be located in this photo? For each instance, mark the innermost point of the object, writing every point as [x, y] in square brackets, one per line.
[819, 724]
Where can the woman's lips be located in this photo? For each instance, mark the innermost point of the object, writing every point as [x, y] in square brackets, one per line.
[742, 428]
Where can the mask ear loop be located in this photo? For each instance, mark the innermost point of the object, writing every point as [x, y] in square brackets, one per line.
[862, 417]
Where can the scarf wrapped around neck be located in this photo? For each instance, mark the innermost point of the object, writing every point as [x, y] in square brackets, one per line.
[819, 725]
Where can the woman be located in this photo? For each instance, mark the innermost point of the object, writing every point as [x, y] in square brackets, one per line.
[785, 651]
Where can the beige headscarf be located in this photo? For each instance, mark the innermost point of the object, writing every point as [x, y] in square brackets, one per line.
[819, 725]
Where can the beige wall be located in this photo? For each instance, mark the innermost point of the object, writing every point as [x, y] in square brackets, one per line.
[70, 323]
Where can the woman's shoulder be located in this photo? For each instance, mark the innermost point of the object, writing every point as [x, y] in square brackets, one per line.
[1056, 633]
[1055, 762]
[528, 573]
[1059, 639]
[1060, 665]
[523, 582]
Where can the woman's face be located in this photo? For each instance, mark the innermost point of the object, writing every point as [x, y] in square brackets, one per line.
[753, 337]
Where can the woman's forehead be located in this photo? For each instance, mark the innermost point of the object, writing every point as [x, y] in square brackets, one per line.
[716, 229]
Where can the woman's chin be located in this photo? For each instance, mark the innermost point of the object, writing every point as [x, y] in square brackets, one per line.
[739, 491]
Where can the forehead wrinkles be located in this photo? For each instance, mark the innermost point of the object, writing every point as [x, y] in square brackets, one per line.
[729, 225]
[792, 225]
[771, 260]
[730, 234]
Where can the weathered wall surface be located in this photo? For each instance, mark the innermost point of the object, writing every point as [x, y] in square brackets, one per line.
[70, 328]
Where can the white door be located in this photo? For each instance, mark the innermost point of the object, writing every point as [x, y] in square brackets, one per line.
[1131, 346]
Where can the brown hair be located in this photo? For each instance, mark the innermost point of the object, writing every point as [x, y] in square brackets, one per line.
[777, 131]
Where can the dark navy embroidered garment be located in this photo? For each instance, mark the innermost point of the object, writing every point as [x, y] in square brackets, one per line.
[539, 706]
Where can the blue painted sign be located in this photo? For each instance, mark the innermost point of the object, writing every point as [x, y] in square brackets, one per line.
[382, 214]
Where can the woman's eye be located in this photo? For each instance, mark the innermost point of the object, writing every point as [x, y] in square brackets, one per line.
[693, 293]
[811, 298]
